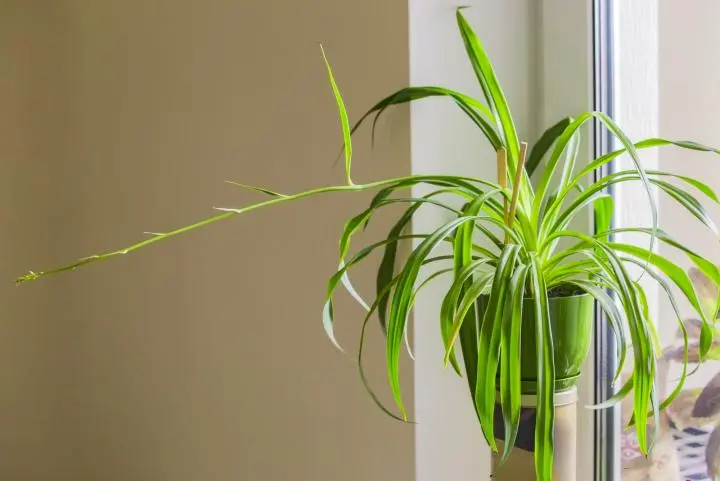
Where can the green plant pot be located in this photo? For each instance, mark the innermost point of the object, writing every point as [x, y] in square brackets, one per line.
[571, 321]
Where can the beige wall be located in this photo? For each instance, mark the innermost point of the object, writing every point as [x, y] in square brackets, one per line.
[204, 358]
[689, 102]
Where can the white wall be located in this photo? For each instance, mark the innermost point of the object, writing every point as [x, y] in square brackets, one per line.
[636, 110]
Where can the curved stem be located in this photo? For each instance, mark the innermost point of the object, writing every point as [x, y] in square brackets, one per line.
[227, 213]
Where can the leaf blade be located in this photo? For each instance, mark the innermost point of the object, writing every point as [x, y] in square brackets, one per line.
[511, 359]
[494, 94]
[489, 344]
[545, 412]
[344, 120]
[544, 143]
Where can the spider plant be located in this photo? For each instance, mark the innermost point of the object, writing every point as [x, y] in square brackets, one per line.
[506, 261]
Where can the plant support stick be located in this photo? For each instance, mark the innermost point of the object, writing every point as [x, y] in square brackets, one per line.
[502, 181]
[516, 185]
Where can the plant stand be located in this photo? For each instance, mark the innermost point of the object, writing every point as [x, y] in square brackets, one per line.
[520, 466]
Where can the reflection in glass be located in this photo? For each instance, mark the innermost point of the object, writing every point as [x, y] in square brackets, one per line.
[688, 446]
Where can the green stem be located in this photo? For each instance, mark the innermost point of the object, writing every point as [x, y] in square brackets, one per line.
[227, 213]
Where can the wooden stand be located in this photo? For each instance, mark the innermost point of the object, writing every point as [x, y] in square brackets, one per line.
[520, 466]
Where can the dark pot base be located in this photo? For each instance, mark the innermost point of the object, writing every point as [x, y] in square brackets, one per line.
[521, 465]
[526, 432]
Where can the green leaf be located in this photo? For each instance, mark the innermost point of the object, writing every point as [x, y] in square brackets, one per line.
[487, 129]
[476, 111]
[617, 397]
[544, 143]
[494, 95]
[603, 208]
[489, 341]
[690, 203]
[413, 298]
[462, 252]
[680, 279]
[644, 361]
[361, 350]
[399, 305]
[545, 412]
[352, 226]
[463, 245]
[463, 282]
[642, 298]
[386, 269]
[561, 144]
[701, 186]
[558, 275]
[257, 189]
[632, 152]
[614, 317]
[511, 360]
[452, 316]
[595, 191]
[347, 141]
[328, 311]
[343, 118]
[469, 345]
[706, 267]
[673, 303]
[363, 333]
[645, 144]
[571, 153]
[362, 219]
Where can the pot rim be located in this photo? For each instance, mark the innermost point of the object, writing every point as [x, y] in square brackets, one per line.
[550, 298]
[525, 298]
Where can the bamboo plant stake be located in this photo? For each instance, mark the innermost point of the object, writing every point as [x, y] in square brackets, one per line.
[502, 182]
[516, 184]
[509, 212]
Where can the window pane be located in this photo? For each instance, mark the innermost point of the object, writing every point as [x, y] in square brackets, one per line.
[664, 87]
